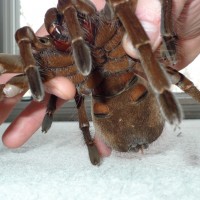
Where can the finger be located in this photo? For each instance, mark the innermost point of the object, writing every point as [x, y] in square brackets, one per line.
[188, 25]
[61, 87]
[7, 105]
[153, 33]
[99, 4]
[6, 77]
[103, 149]
[189, 50]
[58, 86]
[42, 31]
[27, 123]
[149, 14]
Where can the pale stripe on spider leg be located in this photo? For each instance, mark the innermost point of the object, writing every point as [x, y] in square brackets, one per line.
[81, 51]
[26, 39]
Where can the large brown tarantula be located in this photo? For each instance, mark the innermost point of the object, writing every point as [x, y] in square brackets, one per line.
[131, 98]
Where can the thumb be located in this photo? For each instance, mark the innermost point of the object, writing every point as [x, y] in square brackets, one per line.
[153, 32]
[61, 87]
[148, 12]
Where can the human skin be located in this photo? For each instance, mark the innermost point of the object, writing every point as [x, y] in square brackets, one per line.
[148, 13]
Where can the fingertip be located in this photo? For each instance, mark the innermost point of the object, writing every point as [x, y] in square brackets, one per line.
[99, 4]
[16, 134]
[129, 48]
[148, 12]
[153, 33]
[103, 149]
[61, 87]
[9, 141]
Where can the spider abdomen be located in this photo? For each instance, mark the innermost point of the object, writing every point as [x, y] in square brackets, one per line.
[132, 124]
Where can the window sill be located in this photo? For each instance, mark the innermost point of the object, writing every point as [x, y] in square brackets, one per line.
[68, 112]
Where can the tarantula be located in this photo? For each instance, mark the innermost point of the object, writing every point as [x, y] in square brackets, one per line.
[131, 98]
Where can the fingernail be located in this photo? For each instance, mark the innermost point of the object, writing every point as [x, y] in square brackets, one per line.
[149, 27]
[11, 90]
[129, 48]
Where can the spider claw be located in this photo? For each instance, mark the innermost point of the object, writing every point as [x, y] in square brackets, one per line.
[170, 107]
[82, 57]
[107, 12]
[168, 32]
[47, 122]
[48, 119]
[169, 42]
[94, 154]
[35, 83]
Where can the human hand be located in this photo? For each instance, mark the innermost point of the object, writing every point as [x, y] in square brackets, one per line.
[30, 119]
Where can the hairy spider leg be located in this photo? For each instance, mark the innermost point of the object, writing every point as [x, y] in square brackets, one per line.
[26, 39]
[84, 126]
[155, 74]
[81, 51]
[168, 34]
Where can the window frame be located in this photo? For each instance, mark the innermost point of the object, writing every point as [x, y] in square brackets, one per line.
[10, 12]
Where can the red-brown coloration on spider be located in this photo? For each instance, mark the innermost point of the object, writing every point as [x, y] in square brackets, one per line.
[131, 98]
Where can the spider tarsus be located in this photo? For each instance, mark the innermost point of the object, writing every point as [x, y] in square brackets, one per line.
[82, 57]
[170, 107]
[94, 155]
[107, 12]
[35, 83]
[169, 43]
[47, 122]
